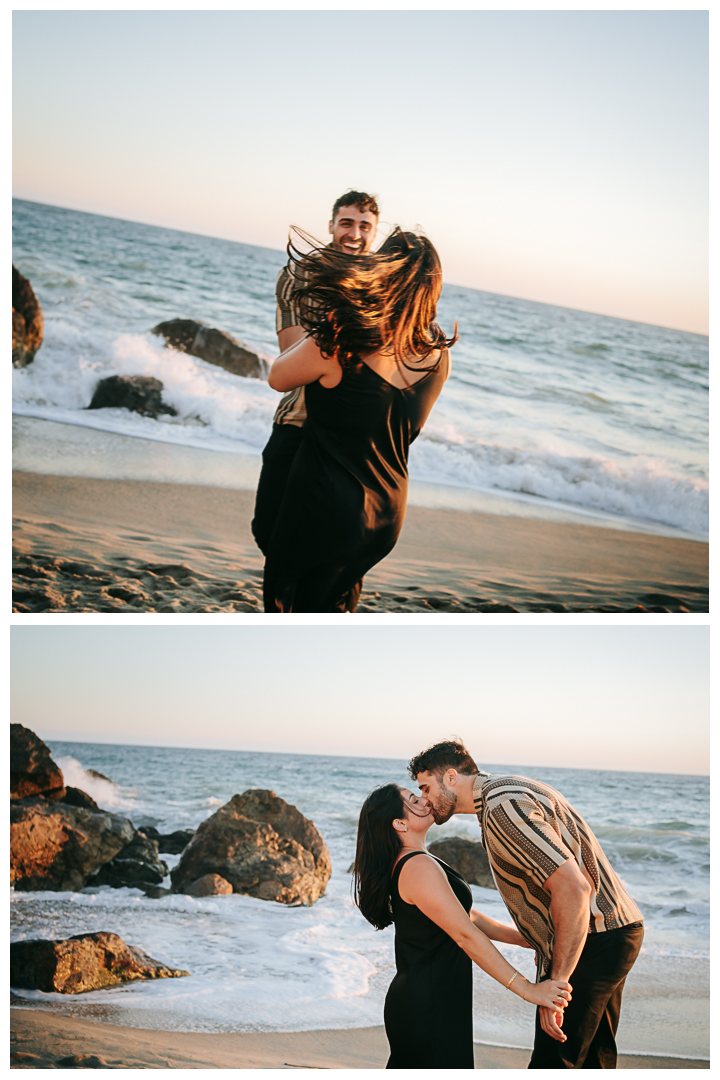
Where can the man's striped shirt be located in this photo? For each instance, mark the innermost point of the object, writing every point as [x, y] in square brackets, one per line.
[291, 409]
[528, 831]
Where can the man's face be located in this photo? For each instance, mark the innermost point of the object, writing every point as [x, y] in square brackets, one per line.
[353, 230]
[440, 797]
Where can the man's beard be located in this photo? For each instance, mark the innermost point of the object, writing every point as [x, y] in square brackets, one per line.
[444, 805]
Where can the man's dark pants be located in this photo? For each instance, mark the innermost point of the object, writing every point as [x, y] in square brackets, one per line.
[591, 1019]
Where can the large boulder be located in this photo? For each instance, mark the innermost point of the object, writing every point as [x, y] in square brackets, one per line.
[80, 963]
[27, 321]
[138, 393]
[263, 846]
[74, 796]
[57, 846]
[468, 857]
[137, 866]
[32, 769]
[214, 346]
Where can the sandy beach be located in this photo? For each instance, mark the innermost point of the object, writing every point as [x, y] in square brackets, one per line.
[45, 1040]
[94, 544]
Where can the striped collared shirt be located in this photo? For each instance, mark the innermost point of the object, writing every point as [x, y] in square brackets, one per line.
[291, 409]
[528, 831]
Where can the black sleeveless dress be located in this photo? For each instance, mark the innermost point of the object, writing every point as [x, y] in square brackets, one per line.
[428, 1008]
[346, 493]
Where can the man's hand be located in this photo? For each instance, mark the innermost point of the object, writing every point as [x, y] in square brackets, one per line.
[550, 1022]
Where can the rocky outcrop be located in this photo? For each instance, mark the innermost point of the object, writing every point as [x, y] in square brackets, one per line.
[27, 321]
[263, 846]
[173, 843]
[468, 857]
[138, 393]
[57, 846]
[137, 866]
[214, 346]
[81, 963]
[209, 885]
[74, 796]
[32, 769]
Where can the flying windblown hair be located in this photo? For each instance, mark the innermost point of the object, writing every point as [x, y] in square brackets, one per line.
[355, 304]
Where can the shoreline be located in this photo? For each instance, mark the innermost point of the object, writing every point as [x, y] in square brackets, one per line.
[41, 1038]
[86, 544]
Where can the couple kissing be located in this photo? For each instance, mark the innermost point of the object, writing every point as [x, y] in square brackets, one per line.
[566, 902]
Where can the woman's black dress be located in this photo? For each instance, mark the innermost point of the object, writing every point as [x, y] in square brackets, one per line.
[428, 1008]
[346, 494]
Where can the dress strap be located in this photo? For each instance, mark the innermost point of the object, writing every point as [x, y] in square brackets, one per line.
[405, 859]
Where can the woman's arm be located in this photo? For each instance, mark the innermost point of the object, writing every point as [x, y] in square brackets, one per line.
[301, 364]
[498, 931]
[423, 882]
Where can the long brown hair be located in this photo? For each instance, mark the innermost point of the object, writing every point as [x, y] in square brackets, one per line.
[353, 304]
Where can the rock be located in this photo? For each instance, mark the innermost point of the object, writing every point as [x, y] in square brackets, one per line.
[138, 393]
[32, 770]
[57, 846]
[27, 321]
[100, 776]
[263, 846]
[209, 885]
[136, 866]
[80, 963]
[173, 843]
[156, 892]
[75, 797]
[468, 857]
[214, 346]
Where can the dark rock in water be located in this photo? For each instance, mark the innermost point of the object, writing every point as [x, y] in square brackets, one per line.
[156, 892]
[27, 321]
[136, 866]
[80, 963]
[32, 770]
[75, 797]
[468, 857]
[213, 346]
[100, 776]
[173, 843]
[263, 846]
[209, 885]
[57, 846]
[138, 393]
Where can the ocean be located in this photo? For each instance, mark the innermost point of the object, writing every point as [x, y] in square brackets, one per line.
[547, 408]
[259, 966]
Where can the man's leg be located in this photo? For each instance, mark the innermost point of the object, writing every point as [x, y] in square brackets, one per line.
[278, 457]
[591, 1019]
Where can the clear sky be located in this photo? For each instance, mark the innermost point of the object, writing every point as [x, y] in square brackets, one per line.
[558, 156]
[627, 698]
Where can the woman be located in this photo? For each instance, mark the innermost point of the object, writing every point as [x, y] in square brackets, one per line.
[373, 364]
[428, 1008]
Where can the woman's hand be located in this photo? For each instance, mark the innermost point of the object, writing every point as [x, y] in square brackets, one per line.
[552, 995]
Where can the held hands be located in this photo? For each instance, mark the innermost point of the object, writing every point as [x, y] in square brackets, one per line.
[552, 996]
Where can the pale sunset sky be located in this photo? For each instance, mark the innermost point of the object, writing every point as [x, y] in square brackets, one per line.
[617, 697]
[558, 156]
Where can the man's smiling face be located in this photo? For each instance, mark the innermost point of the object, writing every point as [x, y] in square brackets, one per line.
[353, 230]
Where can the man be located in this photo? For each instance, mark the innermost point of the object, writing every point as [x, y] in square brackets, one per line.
[561, 891]
[353, 227]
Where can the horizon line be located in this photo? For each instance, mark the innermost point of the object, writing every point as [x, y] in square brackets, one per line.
[360, 757]
[261, 247]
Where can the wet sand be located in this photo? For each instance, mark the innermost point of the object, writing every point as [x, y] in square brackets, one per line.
[88, 545]
[53, 1040]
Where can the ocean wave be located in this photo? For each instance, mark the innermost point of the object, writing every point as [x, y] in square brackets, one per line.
[641, 487]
